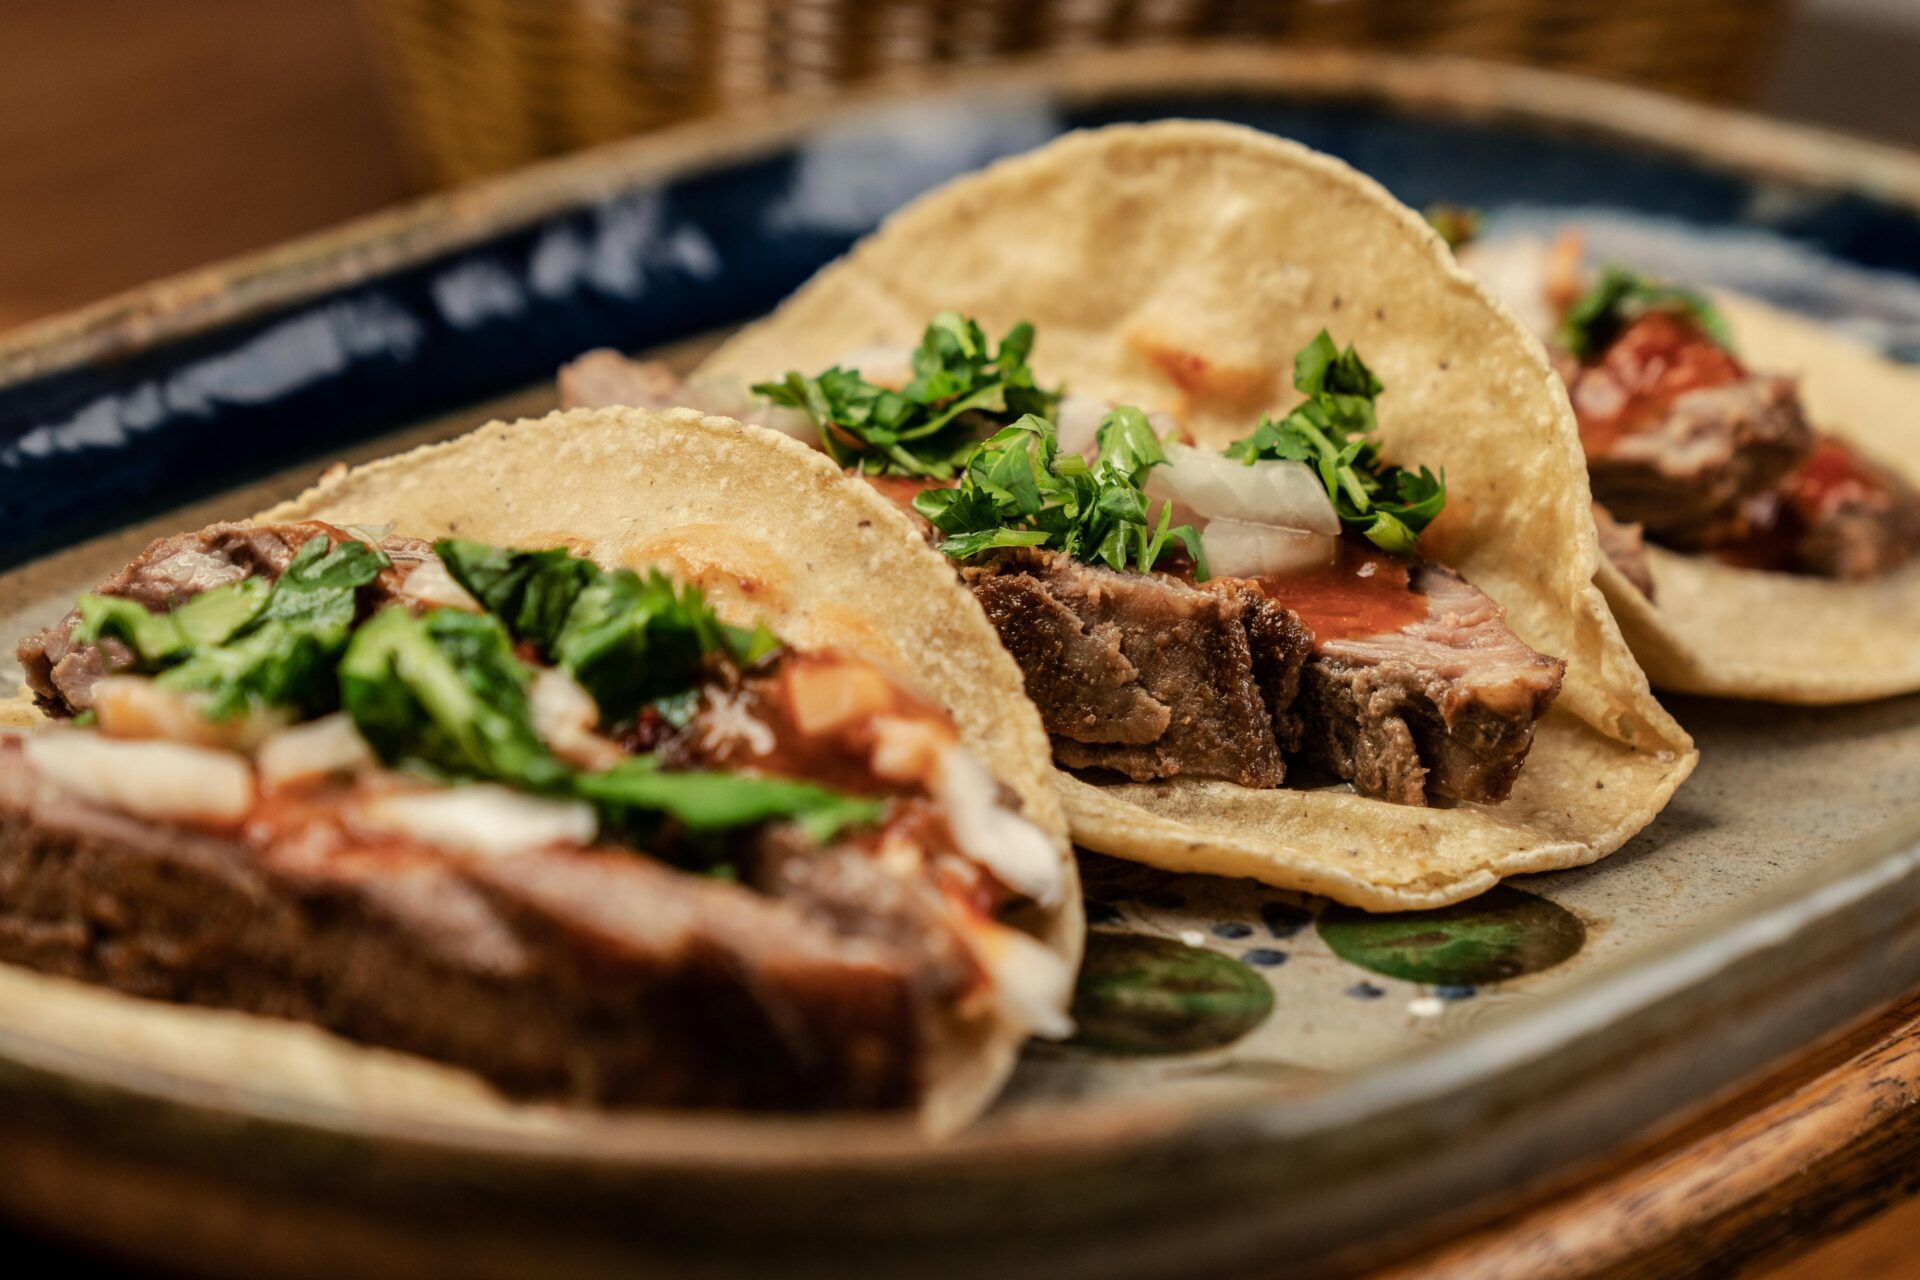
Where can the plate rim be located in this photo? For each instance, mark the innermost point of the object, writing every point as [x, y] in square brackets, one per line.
[1885, 865]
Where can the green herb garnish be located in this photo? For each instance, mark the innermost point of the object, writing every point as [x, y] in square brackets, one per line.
[627, 639]
[1622, 296]
[704, 801]
[249, 644]
[1019, 490]
[445, 694]
[1458, 224]
[925, 428]
[1329, 431]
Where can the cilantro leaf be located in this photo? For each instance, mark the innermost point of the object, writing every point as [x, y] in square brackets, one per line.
[1622, 296]
[446, 694]
[1019, 490]
[704, 801]
[161, 638]
[1329, 431]
[1458, 224]
[928, 427]
[249, 643]
[627, 639]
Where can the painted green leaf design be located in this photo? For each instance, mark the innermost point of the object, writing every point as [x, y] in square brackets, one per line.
[1501, 934]
[1145, 995]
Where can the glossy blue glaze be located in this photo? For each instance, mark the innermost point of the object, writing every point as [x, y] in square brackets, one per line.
[84, 450]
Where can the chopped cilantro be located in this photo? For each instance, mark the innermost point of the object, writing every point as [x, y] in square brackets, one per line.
[1329, 431]
[446, 694]
[705, 801]
[1458, 224]
[249, 643]
[1019, 490]
[627, 639]
[928, 427]
[161, 638]
[1622, 296]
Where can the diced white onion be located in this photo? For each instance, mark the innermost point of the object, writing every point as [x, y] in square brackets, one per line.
[1078, 420]
[1032, 986]
[136, 707]
[1017, 853]
[1286, 494]
[318, 749]
[1236, 549]
[565, 716]
[164, 781]
[482, 819]
[432, 584]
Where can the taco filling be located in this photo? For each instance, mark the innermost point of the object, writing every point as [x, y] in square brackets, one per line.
[1704, 455]
[556, 824]
[1177, 613]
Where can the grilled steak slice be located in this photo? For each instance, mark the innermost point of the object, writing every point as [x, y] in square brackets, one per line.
[1865, 536]
[1443, 707]
[594, 975]
[1711, 450]
[1838, 514]
[170, 571]
[1141, 673]
[1626, 548]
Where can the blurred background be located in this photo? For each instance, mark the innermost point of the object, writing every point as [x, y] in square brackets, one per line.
[142, 137]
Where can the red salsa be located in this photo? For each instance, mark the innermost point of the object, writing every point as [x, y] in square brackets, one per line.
[1655, 360]
[1364, 591]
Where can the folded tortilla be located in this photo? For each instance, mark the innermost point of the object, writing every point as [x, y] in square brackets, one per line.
[1181, 265]
[774, 533]
[1782, 637]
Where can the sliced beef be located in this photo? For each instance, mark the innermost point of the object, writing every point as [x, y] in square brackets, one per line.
[1443, 707]
[1863, 537]
[1143, 674]
[1690, 470]
[1837, 515]
[1625, 546]
[169, 572]
[594, 975]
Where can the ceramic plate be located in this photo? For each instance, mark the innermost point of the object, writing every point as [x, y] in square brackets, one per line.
[1260, 1079]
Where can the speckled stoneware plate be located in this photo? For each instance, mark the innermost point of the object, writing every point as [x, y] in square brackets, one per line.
[1262, 1082]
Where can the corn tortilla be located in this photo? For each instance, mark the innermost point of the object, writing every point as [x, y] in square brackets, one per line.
[1134, 248]
[1781, 637]
[773, 532]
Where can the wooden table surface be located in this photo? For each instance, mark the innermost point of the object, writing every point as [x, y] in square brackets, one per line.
[141, 137]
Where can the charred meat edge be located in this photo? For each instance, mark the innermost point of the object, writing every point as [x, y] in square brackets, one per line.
[1149, 677]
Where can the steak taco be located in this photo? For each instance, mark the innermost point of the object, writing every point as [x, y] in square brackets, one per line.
[564, 821]
[1342, 636]
[1754, 477]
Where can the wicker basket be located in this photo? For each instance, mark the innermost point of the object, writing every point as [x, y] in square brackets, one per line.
[488, 84]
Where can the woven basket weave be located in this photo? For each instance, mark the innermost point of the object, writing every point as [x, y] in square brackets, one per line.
[485, 85]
